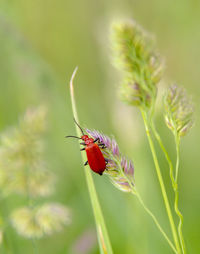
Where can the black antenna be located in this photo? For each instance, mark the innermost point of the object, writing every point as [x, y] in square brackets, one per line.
[79, 126]
[72, 137]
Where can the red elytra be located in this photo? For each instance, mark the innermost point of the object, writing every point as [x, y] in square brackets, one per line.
[95, 157]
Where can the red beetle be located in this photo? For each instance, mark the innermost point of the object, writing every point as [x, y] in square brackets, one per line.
[95, 157]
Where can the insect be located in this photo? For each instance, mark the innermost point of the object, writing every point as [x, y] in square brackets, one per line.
[95, 158]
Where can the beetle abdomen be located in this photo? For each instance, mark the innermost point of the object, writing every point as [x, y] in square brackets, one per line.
[95, 157]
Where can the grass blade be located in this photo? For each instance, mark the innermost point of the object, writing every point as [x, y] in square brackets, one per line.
[103, 238]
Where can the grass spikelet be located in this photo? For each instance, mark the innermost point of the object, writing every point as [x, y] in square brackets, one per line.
[135, 55]
[41, 221]
[119, 168]
[179, 112]
[22, 167]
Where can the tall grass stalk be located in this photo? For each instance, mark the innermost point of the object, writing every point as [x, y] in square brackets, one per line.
[171, 168]
[178, 212]
[156, 222]
[174, 181]
[160, 178]
[103, 238]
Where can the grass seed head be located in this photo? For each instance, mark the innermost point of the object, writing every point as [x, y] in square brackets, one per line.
[22, 167]
[119, 169]
[134, 53]
[179, 111]
[40, 221]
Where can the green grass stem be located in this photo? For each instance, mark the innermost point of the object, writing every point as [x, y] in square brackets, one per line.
[103, 238]
[171, 168]
[160, 178]
[178, 212]
[174, 181]
[156, 222]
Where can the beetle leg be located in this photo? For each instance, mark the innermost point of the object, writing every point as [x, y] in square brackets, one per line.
[86, 163]
[106, 160]
[82, 149]
[102, 145]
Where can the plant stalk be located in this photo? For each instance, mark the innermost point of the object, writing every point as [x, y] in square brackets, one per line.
[156, 222]
[103, 238]
[178, 212]
[171, 168]
[160, 178]
[174, 181]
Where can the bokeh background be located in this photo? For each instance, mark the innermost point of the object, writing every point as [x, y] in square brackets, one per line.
[41, 42]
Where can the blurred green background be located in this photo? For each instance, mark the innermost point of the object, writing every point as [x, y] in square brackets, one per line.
[41, 42]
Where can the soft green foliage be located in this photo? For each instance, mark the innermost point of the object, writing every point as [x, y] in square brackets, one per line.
[40, 44]
[142, 67]
[179, 112]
